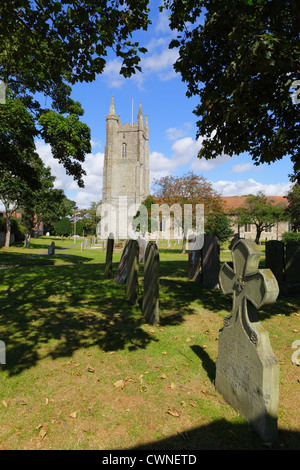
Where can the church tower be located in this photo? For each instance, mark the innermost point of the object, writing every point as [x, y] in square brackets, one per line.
[126, 160]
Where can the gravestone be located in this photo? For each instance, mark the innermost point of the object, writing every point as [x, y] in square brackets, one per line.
[235, 238]
[194, 260]
[247, 371]
[150, 303]
[109, 255]
[51, 249]
[120, 276]
[292, 262]
[132, 282]
[142, 249]
[210, 263]
[275, 258]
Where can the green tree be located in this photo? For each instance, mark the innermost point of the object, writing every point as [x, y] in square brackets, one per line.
[293, 209]
[260, 211]
[241, 59]
[63, 226]
[45, 48]
[217, 223]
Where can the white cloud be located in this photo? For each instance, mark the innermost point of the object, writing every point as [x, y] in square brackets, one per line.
[93, 166]
[240, 168]
[250, 186]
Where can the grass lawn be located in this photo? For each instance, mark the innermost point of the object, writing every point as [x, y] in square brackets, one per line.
[84, 371]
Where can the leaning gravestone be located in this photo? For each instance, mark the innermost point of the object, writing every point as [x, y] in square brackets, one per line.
[247, 371]
[210, 261]
[275, 258]
[132, 283]
[120, 276]
[51, 249]
[292, 262]
[194, 260]
[150, 304]
[109, 254]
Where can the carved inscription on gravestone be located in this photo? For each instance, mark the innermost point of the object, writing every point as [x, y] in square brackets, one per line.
[150, 304]
[247, 371]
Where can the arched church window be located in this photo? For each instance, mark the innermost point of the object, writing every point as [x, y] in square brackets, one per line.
[124, 150]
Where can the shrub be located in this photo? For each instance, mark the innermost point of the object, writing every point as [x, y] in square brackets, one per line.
[291, 237]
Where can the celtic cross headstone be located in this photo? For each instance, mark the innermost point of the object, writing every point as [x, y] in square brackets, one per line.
[247, 371]
[150, 304]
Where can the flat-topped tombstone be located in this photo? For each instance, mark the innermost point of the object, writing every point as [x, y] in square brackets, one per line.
[292, 262]
[109, 255]
[247, 371]
[150, 304]
[132, 282]
[275, 258]
[210, 261]
[51, 249]
[120, 276]
[194, 260]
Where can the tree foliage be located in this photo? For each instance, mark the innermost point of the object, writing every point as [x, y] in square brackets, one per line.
[260, 211]
[46, 46]
[241, 58]
[293, 209]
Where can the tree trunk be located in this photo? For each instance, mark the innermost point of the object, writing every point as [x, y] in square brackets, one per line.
[8, 230]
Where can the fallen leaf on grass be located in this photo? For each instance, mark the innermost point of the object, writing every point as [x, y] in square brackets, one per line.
[163, 376]
[120, 384]
[90, 369]
[164, 352]
[4, 403]
[172, 386]
[173, 412]
[73, 415]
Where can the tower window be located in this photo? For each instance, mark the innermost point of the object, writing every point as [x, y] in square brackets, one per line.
[124, 150]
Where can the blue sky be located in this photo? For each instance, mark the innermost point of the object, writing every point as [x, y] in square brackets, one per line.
[172, 126]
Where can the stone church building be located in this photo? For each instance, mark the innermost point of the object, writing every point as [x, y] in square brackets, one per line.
[126, 169]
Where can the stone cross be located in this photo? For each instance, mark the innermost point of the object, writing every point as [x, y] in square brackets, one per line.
[247, 371]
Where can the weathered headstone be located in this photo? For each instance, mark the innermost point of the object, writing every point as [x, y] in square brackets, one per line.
[132, 282]
[235, 238]
[247, 371]
[210, 264]
[150, 303]
[142, 249]
[194, 260]
[275, 258]
[292, 262]
[109, 255]
[120, 276]
[51, 249]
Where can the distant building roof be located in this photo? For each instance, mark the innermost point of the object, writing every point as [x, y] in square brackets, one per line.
[234, 202]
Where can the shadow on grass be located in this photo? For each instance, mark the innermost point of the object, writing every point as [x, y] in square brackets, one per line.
[55, 310]
[219, 435]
